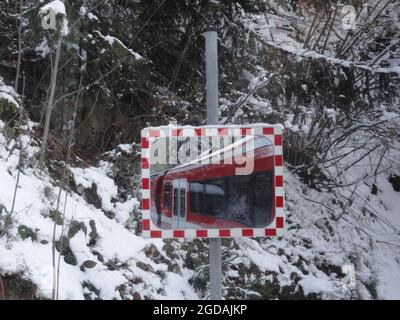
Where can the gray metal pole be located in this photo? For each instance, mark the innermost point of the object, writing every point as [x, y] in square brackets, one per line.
[215, 269]
[212, 76]
[212, 118]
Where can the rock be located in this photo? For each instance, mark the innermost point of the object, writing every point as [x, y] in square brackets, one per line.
[144, 266]
[89, 264]
[109, 214]
[152, 252]
[80, 190]
[137, 296]
[175, 268]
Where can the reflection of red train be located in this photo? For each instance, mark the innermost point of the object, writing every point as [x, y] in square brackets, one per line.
[196, 195]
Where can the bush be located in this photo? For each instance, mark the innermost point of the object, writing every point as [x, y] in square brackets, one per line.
[7, 109]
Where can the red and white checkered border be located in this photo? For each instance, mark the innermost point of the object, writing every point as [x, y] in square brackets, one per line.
[272, 132]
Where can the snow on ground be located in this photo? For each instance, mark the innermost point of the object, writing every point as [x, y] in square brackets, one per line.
[120, 249]
[310, 256]
[325, 232]
[7, 93]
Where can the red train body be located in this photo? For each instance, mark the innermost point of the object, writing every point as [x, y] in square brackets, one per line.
[212, 196]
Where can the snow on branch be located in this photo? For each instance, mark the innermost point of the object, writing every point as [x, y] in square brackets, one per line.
[8, 94]
[111, 40]
[310, 54]
[55, 6]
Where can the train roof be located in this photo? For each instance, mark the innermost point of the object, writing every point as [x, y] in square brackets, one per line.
[260, 141]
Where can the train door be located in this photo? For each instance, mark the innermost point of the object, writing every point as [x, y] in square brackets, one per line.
[179, 203]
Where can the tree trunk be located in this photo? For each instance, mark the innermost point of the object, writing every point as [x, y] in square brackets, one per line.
[50, 105]
[19, 49]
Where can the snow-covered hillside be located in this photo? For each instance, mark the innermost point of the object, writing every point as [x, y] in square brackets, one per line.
[335, 90]
[102, 257]
[106, 260]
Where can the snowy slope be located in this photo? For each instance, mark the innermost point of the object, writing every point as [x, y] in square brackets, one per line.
[118, 247]
[356, 226]
[325, 234]
[308, 259]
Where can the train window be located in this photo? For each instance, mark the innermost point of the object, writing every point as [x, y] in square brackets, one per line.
[262, 199]
[176, 202]
[215, 191]
[196, 196]
[183, 202]
[243, 199]
[239, 199]
[167, 195]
